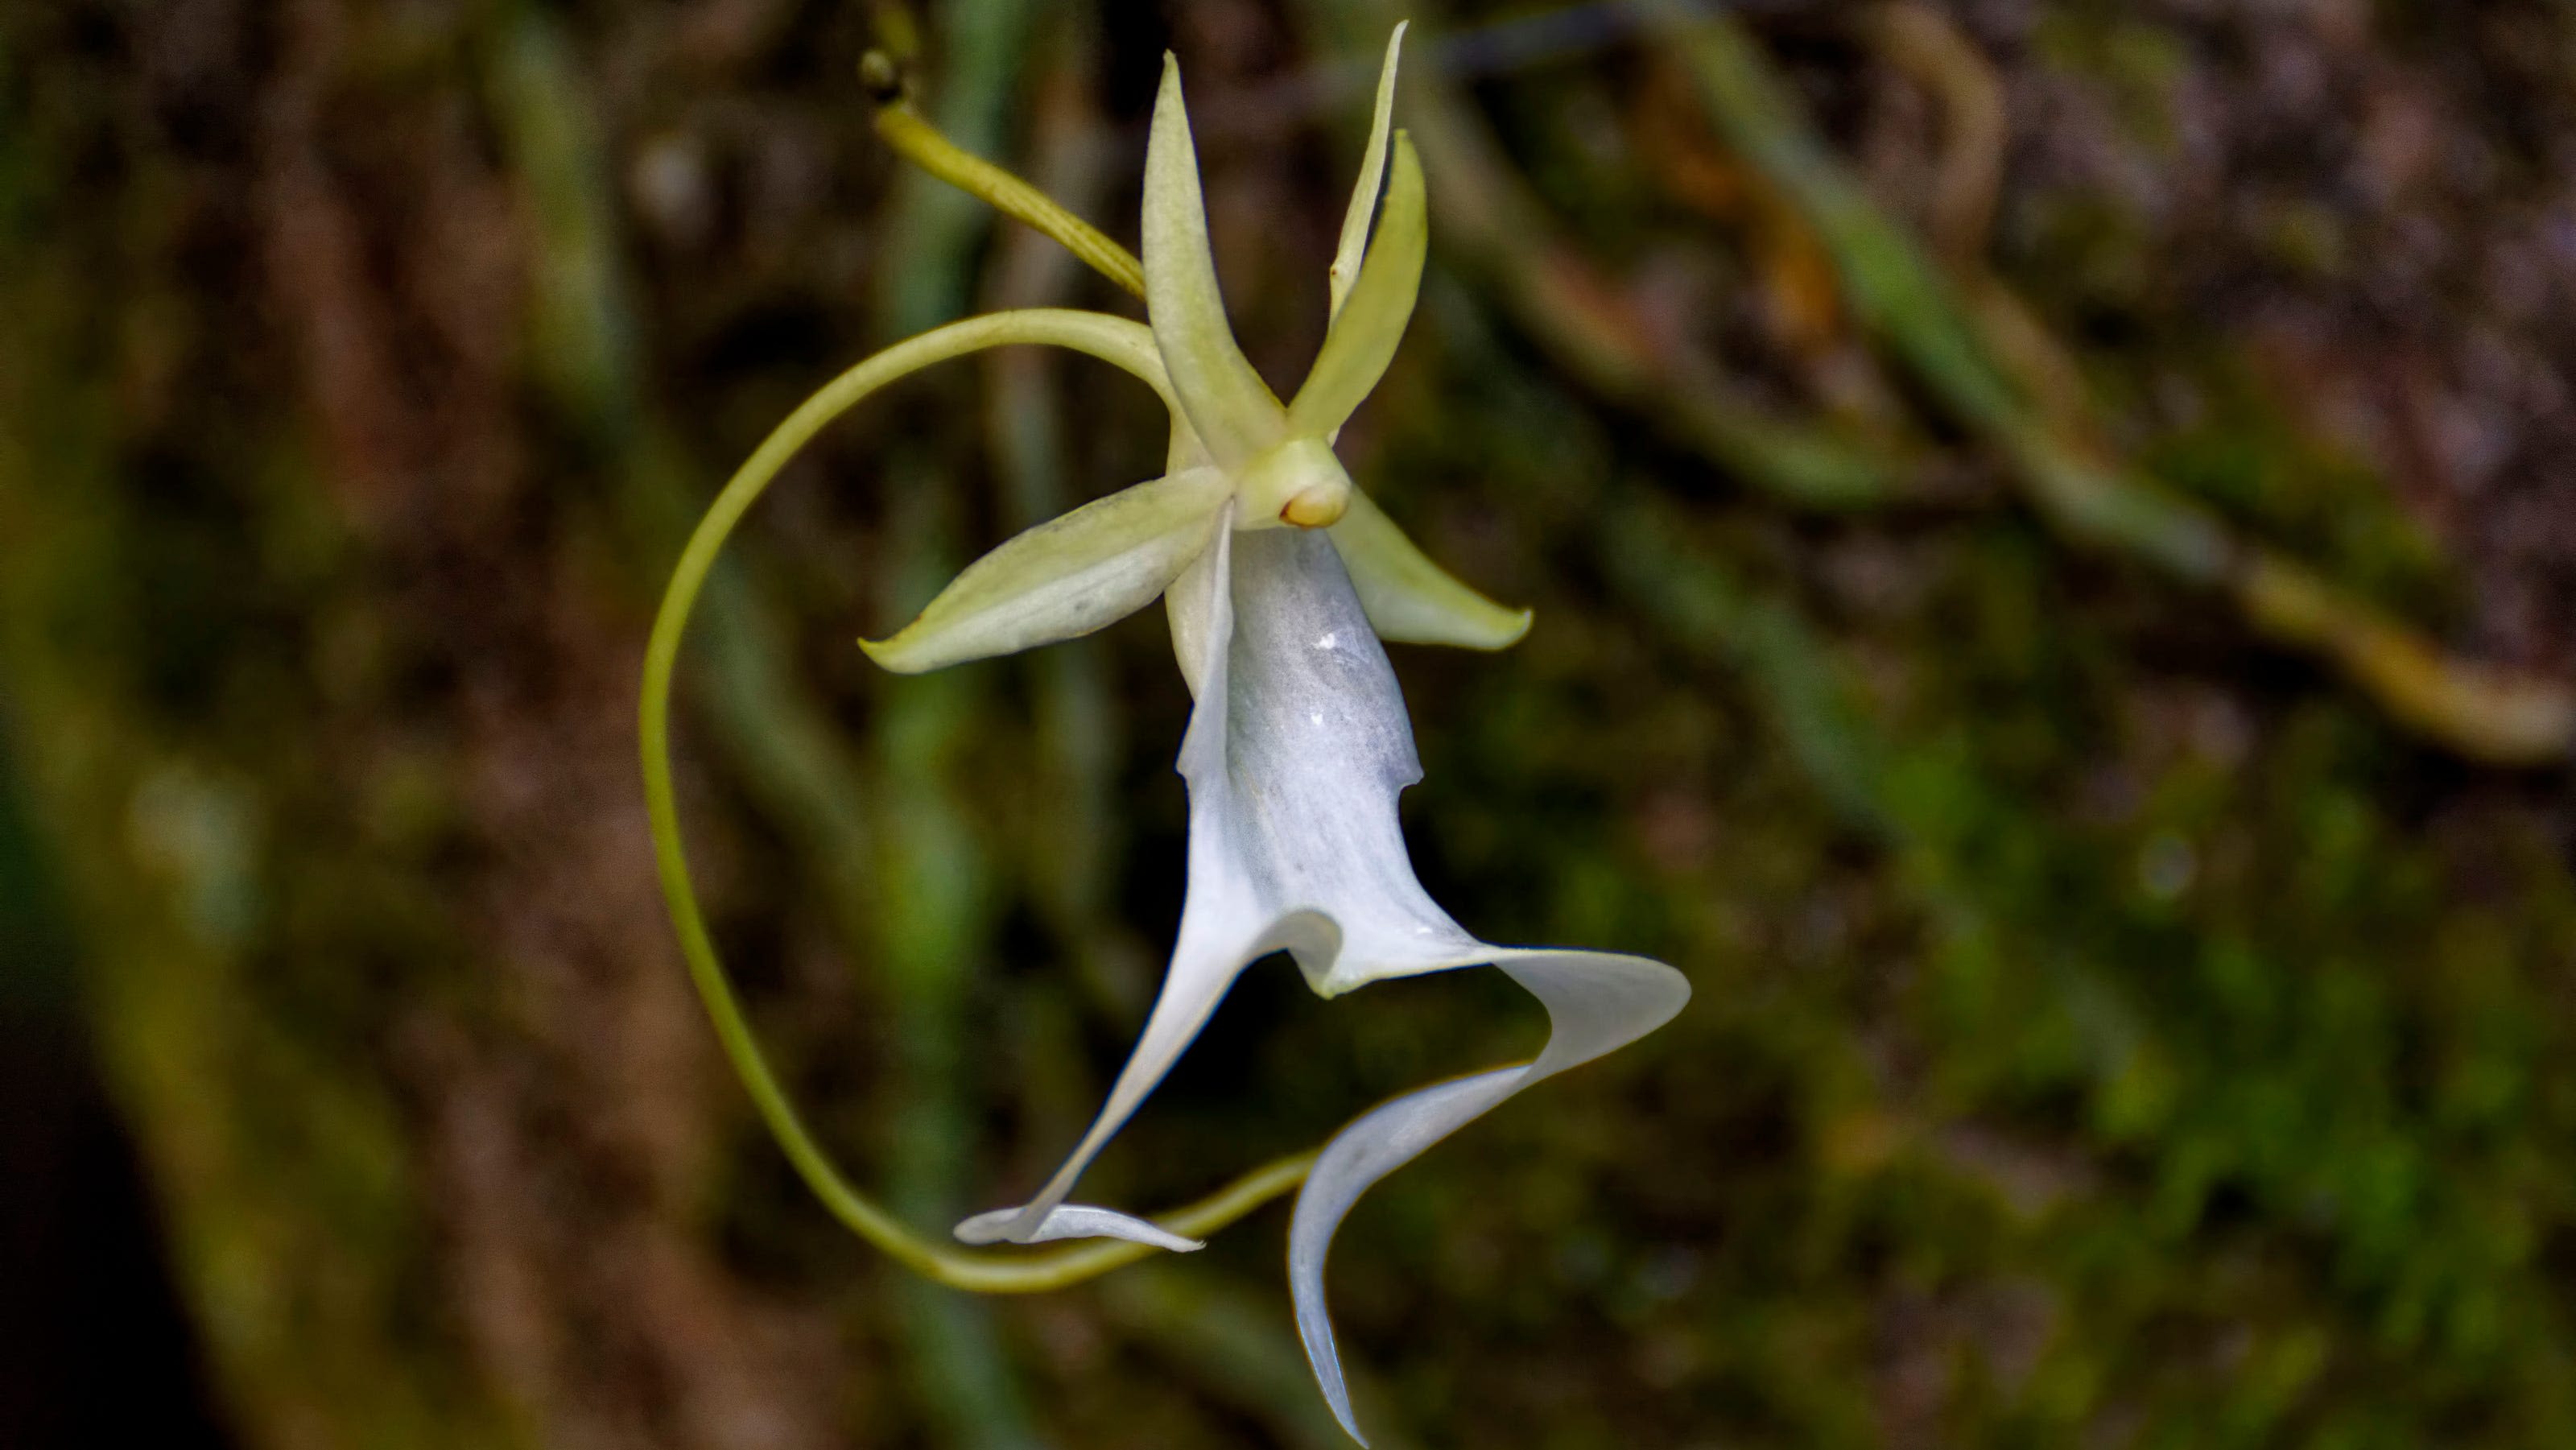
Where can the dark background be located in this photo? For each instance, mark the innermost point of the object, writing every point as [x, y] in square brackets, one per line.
[2053, 533]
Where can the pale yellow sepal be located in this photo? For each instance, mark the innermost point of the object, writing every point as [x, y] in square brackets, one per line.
[1355, 221]
[1408, 598]
[1066, 577]
[1228, 404]
[1364, 334]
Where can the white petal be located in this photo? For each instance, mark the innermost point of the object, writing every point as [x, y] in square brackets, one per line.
[1596, 1002]
[1411, 600]
[1075, 1221]
[1204, 965]
[1066, 577]
[1359, 1156]
[1226, 401]
[1316, 747]
[1355, 221]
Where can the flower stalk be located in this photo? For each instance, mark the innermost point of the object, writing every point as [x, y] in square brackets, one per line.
[913, 137]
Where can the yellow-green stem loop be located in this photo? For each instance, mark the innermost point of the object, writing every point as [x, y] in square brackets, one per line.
[1128, 345]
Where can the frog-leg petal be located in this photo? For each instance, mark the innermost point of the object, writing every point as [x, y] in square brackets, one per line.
[1066, 577]
[1596, 1003]
[1355, 221]
[1364, 334]
[1301, 786]
[1232, 410]
[1410, 599]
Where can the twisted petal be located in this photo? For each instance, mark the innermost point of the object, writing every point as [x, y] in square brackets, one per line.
[1411, 600]
[1355, 221]
[1077, 1221]
[1227, 403]
[1596, 1002]
[1066, 577]
[1364, 333]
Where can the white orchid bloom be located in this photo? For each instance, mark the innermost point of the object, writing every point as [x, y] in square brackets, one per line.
[1280, 580]
[1299, 743]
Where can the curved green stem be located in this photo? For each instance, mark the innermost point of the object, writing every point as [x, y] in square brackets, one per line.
[908, 132]
[1115, 340]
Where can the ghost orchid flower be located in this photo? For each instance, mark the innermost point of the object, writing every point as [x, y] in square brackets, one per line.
[1280, 579]
[1233, 442]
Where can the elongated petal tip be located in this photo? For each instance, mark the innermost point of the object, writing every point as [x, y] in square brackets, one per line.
[892, 658]
[1371, 318]
[1411, 600]
[1596, 1002]
[1355, 221]
[1073, 1221]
